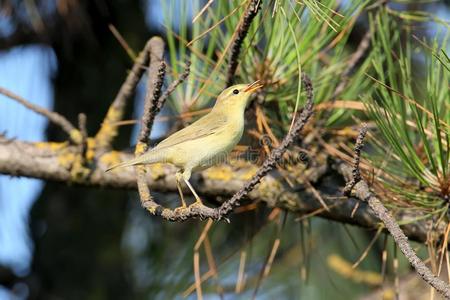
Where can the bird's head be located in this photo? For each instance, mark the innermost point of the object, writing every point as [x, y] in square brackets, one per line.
[238, 95]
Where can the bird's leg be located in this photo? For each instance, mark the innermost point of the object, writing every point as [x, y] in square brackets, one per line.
[186, 176]
[178, 177]
[197, 198]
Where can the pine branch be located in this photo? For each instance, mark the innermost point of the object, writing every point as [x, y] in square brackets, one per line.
[249, 15]
[156, 73]
[51, 162]
[362, 191]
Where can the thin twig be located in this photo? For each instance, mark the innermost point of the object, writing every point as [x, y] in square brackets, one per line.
[156, 74]
[52, 116]
[108, 130]
[250, 13]
[402, 241]
[152, 105]
[356, 175]
[362, 191]
[84, 136]
[175, 84]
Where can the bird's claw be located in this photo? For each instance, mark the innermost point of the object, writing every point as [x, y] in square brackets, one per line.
[197, 203]
[180, 209]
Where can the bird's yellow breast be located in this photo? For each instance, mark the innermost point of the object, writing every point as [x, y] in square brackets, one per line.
[209, 150]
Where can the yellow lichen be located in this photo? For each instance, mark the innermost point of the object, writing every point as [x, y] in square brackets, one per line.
[222, 172]
[240, 163]
[388, 294]
[140, 148]
[270, 189]
[78, 171]
[111, 158]
[249, 173]
[90, 152]
[107, 130]
[75, 135]
[50, 145]
[66, 159]
[156, 171]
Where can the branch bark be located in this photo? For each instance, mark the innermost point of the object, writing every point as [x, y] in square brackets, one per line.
[249, 15]
[52, 162]
[73, 133]
[362, 192]
[108, 130]
[152, 105]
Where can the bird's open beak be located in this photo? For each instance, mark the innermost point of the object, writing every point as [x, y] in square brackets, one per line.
[253, 86]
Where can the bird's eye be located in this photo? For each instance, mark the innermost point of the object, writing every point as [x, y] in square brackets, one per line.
[235, 92]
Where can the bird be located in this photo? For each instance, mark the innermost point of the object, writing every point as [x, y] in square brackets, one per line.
[205, 142]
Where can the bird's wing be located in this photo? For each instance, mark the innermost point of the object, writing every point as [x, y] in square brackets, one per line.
[203, 127]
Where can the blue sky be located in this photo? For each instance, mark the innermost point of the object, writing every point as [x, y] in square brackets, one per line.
[27, 72]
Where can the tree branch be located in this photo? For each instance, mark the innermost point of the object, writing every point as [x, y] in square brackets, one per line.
[54, 117]
[362, 191]
[152, 104]
[175, 84]
[249, 15]
[109, 130]
[356, 174]
[156, 72]
[52, 161]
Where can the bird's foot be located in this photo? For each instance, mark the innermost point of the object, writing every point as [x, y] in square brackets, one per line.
[197, 203]
[180, 209]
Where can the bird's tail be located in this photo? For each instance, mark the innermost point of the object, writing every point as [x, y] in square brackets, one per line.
[147, 158]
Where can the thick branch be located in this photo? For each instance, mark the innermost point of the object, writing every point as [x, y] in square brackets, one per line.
[52, 161]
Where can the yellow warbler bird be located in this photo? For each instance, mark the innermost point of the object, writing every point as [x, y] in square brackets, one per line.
[205, 142]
